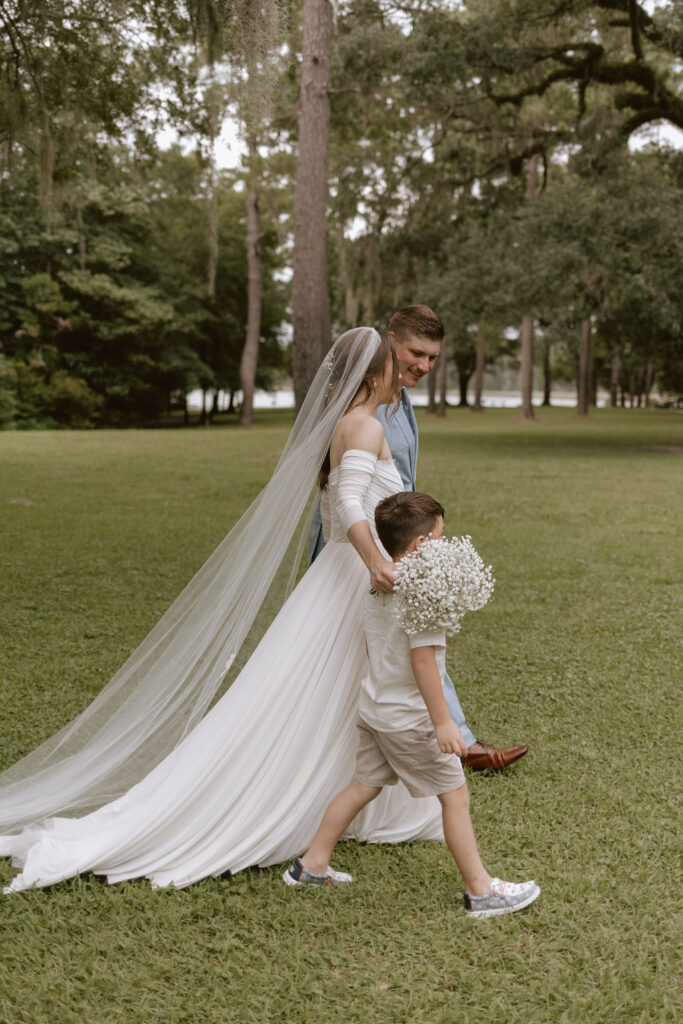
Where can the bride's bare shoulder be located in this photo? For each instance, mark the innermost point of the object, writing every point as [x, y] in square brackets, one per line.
[357, 430]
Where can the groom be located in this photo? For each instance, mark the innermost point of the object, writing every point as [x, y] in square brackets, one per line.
[417, 334]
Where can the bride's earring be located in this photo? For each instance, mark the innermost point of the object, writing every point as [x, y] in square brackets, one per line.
[374, 383]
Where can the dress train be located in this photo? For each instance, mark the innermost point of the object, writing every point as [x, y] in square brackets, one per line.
[249, 784]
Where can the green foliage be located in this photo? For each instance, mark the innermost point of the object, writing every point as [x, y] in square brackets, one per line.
[8, 401]
[44, 399]
[44, 311]
[175, 253]
[123, 307]
[440, 111]
[437, 109]
[29, 395]
[70, 401]
[84, 192]
[605, 246]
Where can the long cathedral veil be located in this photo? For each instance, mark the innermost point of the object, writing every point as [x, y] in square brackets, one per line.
[169, 681]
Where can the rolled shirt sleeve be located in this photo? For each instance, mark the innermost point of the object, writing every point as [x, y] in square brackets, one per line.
[427, 638]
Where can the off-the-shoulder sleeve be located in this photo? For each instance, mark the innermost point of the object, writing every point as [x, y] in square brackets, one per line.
[355, 475]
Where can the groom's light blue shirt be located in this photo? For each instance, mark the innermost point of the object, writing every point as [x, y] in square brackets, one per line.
[400, 430]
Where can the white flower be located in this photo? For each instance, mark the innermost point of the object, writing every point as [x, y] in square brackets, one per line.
[438, 583]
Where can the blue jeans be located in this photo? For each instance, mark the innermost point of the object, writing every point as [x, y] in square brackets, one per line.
[457, 713]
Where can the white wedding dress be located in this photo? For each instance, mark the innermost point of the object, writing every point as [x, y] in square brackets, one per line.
[249, 784]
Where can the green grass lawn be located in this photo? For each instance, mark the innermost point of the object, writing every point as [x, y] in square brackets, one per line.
[578, 655]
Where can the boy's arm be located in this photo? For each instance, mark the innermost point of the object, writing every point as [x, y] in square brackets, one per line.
[426, 672]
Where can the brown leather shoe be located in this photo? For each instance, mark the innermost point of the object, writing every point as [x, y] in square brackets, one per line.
[482, 757]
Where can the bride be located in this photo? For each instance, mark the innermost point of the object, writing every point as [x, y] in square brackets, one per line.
[181, 793]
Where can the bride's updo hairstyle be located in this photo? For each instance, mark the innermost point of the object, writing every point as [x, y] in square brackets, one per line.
[339, 358]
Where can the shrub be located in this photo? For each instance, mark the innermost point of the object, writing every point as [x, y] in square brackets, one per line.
[45, 400]
[70, 401]
[8, 393]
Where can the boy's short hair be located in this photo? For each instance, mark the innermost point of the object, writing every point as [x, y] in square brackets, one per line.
[402, 517]
[419, 320]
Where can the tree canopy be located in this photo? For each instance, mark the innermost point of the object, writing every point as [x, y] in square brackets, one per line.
[487, 158]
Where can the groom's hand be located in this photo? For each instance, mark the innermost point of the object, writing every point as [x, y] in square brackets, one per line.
[382, 576]
[450, 740]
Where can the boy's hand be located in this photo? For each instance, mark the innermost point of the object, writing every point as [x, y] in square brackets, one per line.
[450, 739]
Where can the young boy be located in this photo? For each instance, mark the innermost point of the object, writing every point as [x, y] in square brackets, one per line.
[406, 731]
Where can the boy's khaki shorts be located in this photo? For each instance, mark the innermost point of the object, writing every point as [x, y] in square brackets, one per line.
[413, 756]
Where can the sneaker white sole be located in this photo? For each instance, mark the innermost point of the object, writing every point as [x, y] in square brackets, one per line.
[498, 911]
[339, 878]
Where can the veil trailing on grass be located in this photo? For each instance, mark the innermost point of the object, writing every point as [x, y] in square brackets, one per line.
[167, 684]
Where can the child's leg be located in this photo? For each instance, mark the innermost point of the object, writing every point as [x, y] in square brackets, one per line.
[336, 819]
[459, 835]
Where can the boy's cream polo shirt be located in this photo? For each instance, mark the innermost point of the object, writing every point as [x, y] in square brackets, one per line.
[390, 700]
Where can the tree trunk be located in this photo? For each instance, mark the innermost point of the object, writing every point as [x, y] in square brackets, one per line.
[213, 241]
[547, 374]
[431, 385]
[527, 335]
[46, 166]
[584, 368]
[231, 403]
[640, 384]
[213, 190]
[615, 371]
[527, 367]
[310, 298]
[249, 359]
[479, 367]
[631, 387]
[442, 377]
[649, 377]
[463, 381]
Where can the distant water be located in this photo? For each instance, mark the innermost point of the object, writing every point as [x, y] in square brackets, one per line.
[284, 399]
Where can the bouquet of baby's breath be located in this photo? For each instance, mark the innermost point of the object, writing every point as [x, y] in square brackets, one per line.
[438, 583]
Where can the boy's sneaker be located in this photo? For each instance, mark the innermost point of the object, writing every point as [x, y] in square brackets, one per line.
[502, 898]
[296, 874]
